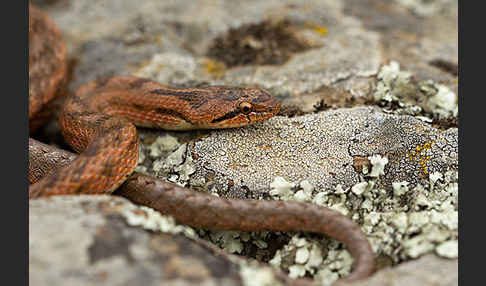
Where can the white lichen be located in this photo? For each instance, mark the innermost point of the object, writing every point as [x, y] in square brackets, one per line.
[426, 223]
[434, 177]
[340, 190]
[359, 188]
[341, 208]
[253, 274]
[305, 192]
[441, 101]
[396, 86]
[378, 164]
[425, 8]
[177, 164]
[151, 219]
[281, 188]
[320, 199]
[163, 144]
[400, 222]
[176, 158]
[296, 271]
[448, 249]
[417, 246]
[390, 76]
[400, 188]
[302, 255]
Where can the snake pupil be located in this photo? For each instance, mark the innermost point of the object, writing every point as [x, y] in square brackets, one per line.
[245, 107]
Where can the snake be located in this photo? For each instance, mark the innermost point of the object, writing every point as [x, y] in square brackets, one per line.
[99, 122]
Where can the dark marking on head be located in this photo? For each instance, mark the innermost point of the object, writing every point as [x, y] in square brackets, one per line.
[138, 107]
[228, 115]
[262, 98]
[231, 94]
[80, 114]
[138, 82]
[196, 102]
[196, 98]
[174, 92]
[161, 110]
[101, 82]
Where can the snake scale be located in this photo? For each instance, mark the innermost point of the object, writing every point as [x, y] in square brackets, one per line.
[98, 122]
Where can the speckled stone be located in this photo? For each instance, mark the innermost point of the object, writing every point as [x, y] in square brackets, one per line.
[321, 148]
[427, 271]
[87, 240]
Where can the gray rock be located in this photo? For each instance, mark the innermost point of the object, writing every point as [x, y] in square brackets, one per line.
[428, 270]
[324, 149]
[89, 240]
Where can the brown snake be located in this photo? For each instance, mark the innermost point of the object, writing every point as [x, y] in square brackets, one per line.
[97, 121]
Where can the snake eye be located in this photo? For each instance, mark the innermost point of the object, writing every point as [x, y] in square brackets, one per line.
[245, 107]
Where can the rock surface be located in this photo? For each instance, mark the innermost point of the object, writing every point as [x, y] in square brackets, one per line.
[391, 167]
[88, 240]
[323, 148]
[428, 270]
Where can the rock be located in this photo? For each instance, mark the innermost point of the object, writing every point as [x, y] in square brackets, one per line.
[81, 240]
[322, 148]
[427, 271]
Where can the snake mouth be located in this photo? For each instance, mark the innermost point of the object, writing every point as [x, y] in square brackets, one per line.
[226, 117]
[238, 120]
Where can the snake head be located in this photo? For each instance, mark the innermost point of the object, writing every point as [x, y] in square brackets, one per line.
[242, 106]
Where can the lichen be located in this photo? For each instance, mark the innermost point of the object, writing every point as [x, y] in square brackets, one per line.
[162, 145]
[359, 188]
[398, 92]
[448, 249]
[282, 189]
[216, 69]
[390, 80]
[421, 154]
[176, 167]
[253, 274]
[150, 219]
[402, 222]
[378, 164]
[228, 240]
[400, 188]
[426, 223]
[440, 100]
[424, 7]
[318, 29]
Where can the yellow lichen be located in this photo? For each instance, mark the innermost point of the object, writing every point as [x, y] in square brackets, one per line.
[319, 29]
[216, 69]
[421, 154]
